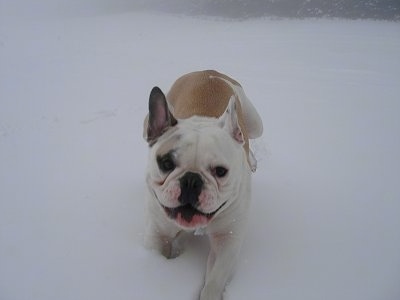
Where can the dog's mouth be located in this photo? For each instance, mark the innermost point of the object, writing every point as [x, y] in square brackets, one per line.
[189, 216]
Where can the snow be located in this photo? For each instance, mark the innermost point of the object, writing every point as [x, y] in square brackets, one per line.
[74, 88]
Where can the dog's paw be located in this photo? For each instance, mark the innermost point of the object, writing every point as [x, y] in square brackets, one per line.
[211, 293]
[173, 247]
[170, 250]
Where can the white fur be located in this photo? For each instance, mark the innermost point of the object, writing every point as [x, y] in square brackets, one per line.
[197, 145]
[252, 119]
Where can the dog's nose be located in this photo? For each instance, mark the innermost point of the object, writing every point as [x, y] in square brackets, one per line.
[191, 185]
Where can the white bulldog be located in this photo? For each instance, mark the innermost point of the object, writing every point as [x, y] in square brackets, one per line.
[199, 169]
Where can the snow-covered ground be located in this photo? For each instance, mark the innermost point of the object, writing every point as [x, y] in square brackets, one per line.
[73, 94]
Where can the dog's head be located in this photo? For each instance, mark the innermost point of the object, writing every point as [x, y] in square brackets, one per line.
[196, 164]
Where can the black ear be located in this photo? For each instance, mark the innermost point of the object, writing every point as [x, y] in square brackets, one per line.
[160, 118]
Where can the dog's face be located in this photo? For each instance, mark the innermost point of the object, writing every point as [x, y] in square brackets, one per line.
[195, 165]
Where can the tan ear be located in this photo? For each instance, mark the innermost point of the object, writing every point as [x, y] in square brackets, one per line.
[159, 118]
[229, 121]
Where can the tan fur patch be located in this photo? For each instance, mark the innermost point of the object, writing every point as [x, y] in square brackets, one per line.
[203, 93]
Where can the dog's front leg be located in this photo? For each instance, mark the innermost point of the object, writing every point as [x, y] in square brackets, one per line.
[225, 248]
[168, 240]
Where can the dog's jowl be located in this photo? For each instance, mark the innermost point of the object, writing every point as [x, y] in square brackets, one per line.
[199, 169]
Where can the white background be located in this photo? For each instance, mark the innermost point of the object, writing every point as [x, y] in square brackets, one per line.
[74, 86]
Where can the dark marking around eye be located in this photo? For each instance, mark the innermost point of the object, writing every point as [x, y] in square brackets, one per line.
[166, 163]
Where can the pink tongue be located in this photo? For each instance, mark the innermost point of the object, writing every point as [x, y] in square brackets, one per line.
[195, 220]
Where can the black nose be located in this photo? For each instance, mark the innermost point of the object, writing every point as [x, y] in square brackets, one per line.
[191, 185]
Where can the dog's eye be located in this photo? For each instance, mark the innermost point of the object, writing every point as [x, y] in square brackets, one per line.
[220, 172]
[165, 163]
